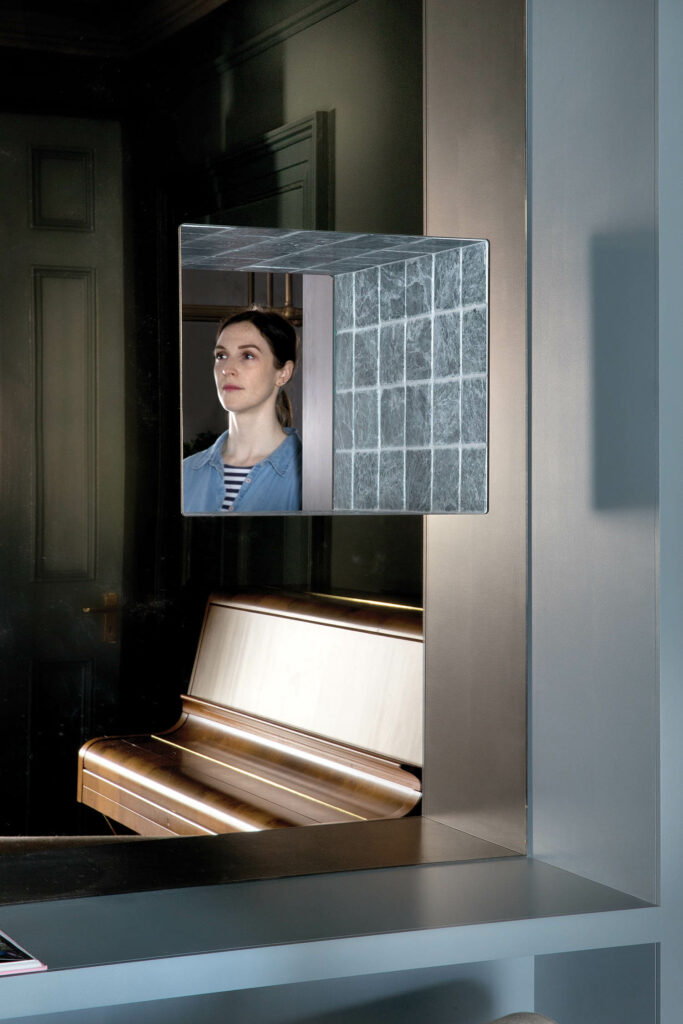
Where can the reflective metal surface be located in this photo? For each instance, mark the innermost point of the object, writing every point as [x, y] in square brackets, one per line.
[278, 681]
[218, 771]
[355, 677]
[475, 566]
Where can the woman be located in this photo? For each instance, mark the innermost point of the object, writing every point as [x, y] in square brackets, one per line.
[255, 466]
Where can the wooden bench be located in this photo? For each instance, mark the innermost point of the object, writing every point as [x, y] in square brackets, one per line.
[302, 709]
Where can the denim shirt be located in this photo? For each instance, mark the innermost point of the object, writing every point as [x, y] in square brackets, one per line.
[273, 485]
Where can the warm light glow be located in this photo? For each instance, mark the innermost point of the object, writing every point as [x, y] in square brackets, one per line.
[142, 799]
[259, 778]
[366, 600]
[303, 755]
[167, 791]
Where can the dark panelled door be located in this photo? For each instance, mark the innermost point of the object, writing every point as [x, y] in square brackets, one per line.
[62, 404]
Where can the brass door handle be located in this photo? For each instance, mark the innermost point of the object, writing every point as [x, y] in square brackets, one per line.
[110, 610]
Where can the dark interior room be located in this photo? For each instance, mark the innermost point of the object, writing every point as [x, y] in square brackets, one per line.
[515, 844]
[174, 100]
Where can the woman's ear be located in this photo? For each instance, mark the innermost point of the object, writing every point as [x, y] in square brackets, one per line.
[285, 373]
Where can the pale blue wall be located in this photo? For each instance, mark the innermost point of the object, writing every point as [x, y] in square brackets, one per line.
[443, 995]
[599, 986]
[593, 630]
[671, 497]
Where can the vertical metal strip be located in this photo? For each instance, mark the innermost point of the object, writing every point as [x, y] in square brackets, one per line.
[475, 565]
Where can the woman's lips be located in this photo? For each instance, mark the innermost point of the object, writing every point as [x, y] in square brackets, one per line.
[232, 387]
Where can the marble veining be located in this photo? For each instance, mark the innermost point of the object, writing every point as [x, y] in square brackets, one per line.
[392, 291]
[474, 410]
[446, 405]
[473, 480]
[474, 274]
[412, 351]
[418, 415]
[419, 479]
[343, 420]
[342, 478]
[365, 358]
[343, 302]
[366, 303]
[393, 417]
[365, 426]
[447, 279]
[447, 344]
[446, 479]
[475, 333]
[391, 479]
[419, 348]
[365, 480]
[419, 286]
[392, 353]
[343, 360]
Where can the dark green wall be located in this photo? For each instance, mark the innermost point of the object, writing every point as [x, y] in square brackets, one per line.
[235, 76]
[247, 68]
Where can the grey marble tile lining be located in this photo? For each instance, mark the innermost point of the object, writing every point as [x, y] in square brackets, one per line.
[426, 365]
[238, 248]
[365, 357]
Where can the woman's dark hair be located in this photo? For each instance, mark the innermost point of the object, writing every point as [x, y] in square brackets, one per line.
[282, 341]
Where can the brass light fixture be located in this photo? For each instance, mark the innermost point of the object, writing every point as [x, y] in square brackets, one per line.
[214, 314]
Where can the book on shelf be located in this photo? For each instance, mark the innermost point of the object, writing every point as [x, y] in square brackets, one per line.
[14, 959]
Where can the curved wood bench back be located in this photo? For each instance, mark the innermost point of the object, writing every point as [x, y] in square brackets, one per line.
[349, 671]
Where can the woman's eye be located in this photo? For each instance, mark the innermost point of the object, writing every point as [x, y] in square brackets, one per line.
[219, 355]
[249, 355]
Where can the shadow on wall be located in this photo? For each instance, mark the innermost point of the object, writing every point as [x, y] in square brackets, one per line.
[624, 371]
[403, 1000]
[467, 1002]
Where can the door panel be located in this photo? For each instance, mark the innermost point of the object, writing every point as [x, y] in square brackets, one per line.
[64, 337]
[62, 399]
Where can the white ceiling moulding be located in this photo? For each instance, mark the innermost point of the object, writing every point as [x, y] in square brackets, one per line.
[101, 34]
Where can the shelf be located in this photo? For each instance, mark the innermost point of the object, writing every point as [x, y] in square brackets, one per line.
[125, 947]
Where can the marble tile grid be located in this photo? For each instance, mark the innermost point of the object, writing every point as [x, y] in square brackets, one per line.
[411, 384]
[220, 247]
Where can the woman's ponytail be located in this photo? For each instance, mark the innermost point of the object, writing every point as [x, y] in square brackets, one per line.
[283, 408]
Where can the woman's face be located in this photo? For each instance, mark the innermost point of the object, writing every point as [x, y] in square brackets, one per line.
[245, 371]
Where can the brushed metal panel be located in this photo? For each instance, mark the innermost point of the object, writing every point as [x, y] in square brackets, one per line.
[355, 687]
[317, 335]
[64, 322]
[475, 566]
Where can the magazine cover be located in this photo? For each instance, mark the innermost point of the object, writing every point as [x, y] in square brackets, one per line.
[15, 960]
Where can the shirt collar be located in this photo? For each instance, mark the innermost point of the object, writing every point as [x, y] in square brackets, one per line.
[280, 459]
[212, 456]
[285, 453]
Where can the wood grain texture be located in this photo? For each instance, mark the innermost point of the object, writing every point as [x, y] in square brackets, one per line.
[349, 671]
[222, 770]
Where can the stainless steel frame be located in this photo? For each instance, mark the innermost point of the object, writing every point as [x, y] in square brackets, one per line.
[475, 566]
